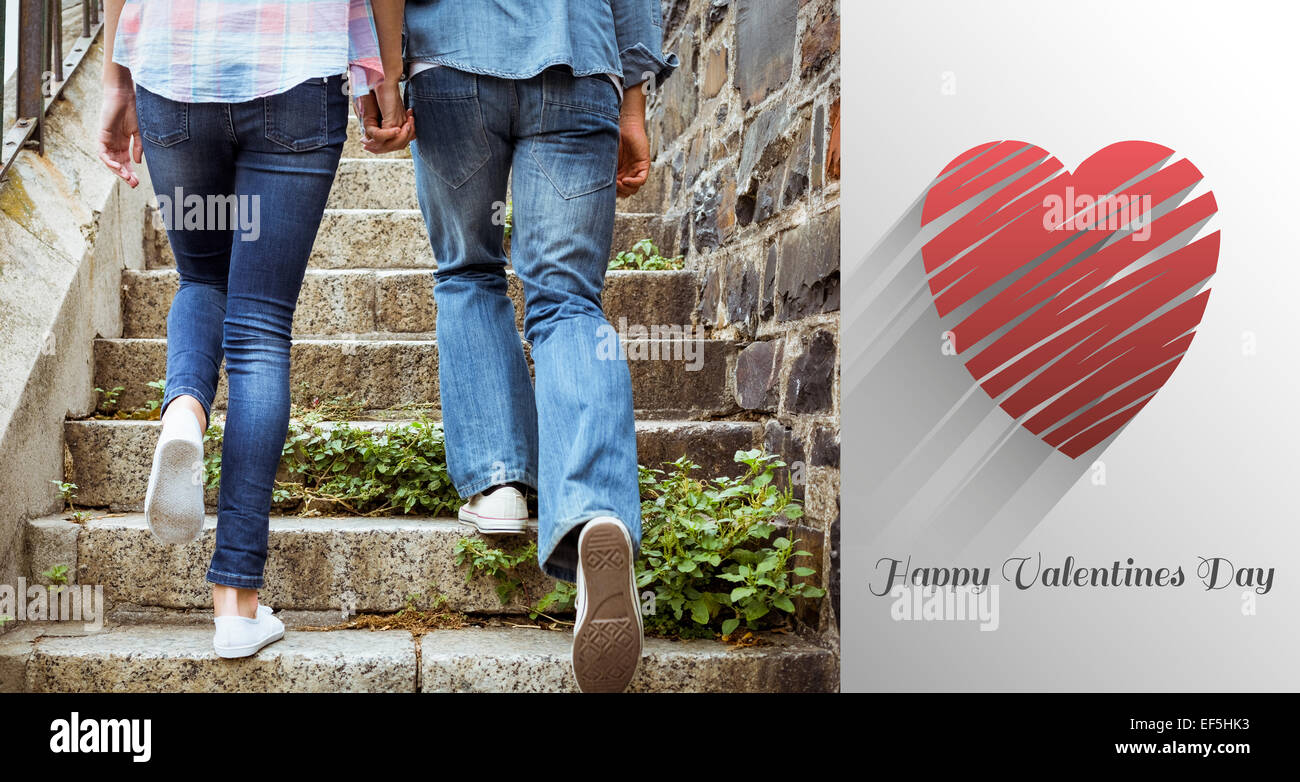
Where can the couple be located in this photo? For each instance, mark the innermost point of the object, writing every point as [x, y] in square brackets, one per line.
[249, 99]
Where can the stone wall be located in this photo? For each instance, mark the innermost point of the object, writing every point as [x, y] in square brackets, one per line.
[67, 229]
[745, 183]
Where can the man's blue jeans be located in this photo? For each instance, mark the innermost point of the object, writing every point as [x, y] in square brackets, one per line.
[572, 436]
[239, 280]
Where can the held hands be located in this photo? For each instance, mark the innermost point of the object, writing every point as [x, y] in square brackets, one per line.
[119, 135]
[633, 145]
[388, 125]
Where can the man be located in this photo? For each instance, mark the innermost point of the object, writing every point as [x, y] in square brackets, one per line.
[548, 95]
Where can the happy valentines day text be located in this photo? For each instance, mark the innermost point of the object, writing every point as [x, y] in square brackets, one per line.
[1027, 572]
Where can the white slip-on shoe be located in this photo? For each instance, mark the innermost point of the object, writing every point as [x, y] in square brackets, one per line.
[239, 636]
[607, 633]
[173, 503]
[504, 511]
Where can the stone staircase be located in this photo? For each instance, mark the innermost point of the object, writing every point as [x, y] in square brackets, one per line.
[365, 327]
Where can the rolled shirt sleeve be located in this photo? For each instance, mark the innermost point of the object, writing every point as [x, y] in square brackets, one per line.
[638, 26]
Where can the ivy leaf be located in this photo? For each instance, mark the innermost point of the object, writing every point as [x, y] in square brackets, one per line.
[742, 592]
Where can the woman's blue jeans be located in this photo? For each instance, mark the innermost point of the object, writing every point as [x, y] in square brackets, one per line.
[572, 435]
[239, 278]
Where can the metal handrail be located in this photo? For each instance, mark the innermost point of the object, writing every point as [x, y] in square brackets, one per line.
[43, 70]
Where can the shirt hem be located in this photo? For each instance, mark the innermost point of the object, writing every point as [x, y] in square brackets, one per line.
[217, 98]
[525, 74]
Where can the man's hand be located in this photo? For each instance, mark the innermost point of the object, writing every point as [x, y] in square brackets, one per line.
[388, 126]
[633, 144]
[119, 133]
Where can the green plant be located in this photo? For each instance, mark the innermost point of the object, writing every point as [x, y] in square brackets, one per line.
[509, 221]
[212, 455]
[149, 411]
[56, 574]
[5, 618]
[707, 549]
[398, 469]
[160, 391]
[435, 604]
[480, 560]
[645, 256]
[707, 553]
[68, 491]
[559, 600]
[110, 396]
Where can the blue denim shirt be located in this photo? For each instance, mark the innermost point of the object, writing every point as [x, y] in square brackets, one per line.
[516, 39]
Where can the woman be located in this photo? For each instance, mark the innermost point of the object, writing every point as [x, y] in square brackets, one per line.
[245, 100]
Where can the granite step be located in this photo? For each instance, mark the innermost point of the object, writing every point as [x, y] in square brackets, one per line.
[374, 183]
[328, 564]
[109, 461]
[388, 303]
[671, 378]
[165, 658]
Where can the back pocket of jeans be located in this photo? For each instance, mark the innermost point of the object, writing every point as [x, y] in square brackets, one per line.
[454, 142]
[298, 119]
[162, 121]
[577, 149]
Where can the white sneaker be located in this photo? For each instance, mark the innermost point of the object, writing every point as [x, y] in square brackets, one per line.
[173, 503]
[503, 511]
[607, 633]
[239, 636]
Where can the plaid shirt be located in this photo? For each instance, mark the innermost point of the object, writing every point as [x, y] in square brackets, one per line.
[227, 51]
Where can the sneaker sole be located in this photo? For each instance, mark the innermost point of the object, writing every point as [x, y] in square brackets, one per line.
[247, 650]
[174, 506]
[490, 526]
[607, 645]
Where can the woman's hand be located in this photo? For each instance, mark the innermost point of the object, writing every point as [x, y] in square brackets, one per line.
[119, 133]
[389, 126]
[633, 144]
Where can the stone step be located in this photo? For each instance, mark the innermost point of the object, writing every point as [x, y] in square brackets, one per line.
[325, 564]
[671, 378]
[379, 303]
[164, 658]
[374, 183]
[109, 461]
[352, 147]
[397, 239]
[348, 239]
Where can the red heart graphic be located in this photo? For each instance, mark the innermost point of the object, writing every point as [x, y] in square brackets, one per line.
[1071, 296]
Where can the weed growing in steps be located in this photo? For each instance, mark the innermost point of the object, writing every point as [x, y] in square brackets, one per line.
[149, 411]
[68, 491]
[707, 553]
[645, 256]
[56, 574]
